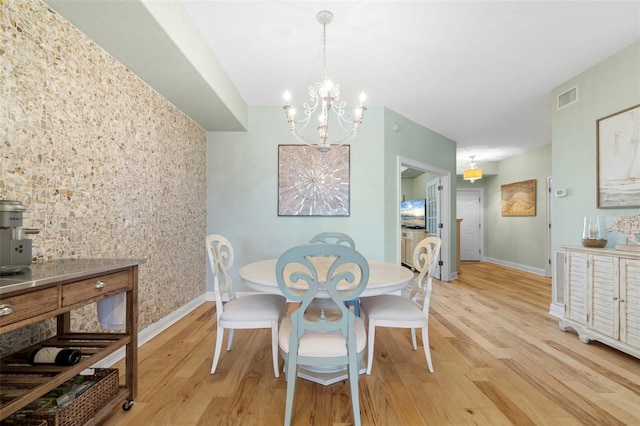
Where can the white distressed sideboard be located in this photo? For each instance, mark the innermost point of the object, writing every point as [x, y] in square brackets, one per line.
[602, 296]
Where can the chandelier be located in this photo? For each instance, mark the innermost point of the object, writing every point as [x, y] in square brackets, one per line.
[325, 101]
[473, 173]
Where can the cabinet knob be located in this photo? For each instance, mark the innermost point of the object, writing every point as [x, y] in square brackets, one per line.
[100, 284]
[615, 298]
[621, 300]
[5, 310]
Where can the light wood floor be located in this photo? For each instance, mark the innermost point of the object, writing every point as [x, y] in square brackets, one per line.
[499, 359]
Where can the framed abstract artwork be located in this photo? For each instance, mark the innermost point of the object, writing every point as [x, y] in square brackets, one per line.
[618, 159]
[519, 198]
[313, 183]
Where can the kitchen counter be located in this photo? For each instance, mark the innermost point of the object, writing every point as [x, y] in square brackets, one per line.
[55, 271]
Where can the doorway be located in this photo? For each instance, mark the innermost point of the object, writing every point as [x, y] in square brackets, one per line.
[446, 268]
[469, 209]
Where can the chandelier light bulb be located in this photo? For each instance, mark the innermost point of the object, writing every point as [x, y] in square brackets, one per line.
[328, 86]
[287, 96]
[363, 98]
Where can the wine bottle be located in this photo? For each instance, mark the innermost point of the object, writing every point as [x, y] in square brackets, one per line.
[52, 355]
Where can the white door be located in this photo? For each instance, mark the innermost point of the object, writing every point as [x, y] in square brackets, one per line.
[434, 193]
[469, 209]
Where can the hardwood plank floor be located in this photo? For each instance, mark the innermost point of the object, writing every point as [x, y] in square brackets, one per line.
[499, 359]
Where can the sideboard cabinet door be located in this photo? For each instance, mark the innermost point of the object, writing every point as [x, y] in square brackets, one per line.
[630, 301]
[603, 310]
[575, 307]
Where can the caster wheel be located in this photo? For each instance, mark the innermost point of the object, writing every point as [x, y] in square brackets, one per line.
[126, 406]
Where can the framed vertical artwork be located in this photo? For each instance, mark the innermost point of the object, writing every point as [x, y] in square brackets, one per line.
[519, 198]
[618, 159]
[313, 183]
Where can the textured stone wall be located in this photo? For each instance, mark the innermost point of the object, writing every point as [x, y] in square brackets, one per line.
[106, 166]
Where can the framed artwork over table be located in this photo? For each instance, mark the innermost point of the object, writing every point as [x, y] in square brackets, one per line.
[618, 159]
[313, 183]
[519, 198]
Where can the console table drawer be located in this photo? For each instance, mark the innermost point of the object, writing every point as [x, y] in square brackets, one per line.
[82, 291]
[18, 308]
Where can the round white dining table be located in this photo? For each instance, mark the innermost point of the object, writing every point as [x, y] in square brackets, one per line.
[384, 277]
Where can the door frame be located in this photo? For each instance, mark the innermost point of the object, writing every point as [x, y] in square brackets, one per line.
[448, 273]
[549, 249]
[435, 182]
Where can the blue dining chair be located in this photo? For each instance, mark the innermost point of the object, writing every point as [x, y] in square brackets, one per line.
[343, 239]
[308, 337]
[334, 238]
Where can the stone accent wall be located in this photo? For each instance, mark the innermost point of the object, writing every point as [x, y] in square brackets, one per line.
[106, 166]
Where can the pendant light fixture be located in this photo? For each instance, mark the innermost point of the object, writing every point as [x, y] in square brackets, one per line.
[472, 173]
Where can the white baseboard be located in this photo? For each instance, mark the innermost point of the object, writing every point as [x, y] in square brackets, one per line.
[537, 271]
[156, 328]
[556, 310]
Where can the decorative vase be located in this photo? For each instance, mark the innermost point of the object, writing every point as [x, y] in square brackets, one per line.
[593, 232]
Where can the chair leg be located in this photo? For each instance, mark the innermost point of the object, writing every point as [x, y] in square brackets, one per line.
[284, 370]
[427, 350]
[274, 348]
[356, 306]
[230, 339]
[292, 375]
[372, 338]
[353, 385]
[413, 339]
[216, 353]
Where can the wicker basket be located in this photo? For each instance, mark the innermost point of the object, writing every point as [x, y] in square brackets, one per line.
[86, 405]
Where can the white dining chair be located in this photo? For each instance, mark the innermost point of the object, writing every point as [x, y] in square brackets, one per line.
[311, 338]
[407, 311]
[246, 312]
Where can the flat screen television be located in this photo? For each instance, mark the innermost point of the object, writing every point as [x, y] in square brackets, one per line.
[413, 214]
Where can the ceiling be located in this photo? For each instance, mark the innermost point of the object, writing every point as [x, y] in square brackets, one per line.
[478, 72]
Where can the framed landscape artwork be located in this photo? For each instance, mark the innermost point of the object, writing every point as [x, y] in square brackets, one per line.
[313, 183]
[519, 198]
[618, 159]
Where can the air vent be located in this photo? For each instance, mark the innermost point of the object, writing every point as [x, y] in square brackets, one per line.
[568, 97]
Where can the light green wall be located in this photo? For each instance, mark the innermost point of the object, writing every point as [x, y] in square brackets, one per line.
[604, 89]
[408, 139]
[465, 184]
[519, 240]
[242, 185]
[516, 241]
[416, 188]
[406, 189]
